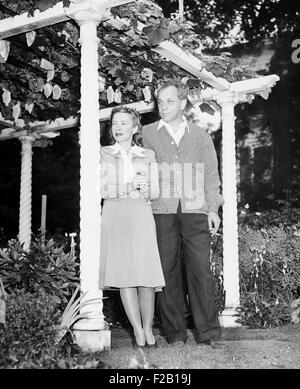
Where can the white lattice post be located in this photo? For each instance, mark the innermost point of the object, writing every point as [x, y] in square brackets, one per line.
[91, 332]
[25, 191]
[227, 101]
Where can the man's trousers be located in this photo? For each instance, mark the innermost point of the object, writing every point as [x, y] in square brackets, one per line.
[192, 230]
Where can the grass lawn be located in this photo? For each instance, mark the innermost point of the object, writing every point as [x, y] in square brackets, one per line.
[240, 348]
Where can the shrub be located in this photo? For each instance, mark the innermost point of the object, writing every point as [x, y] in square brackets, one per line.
[258, 312]
[30, 328]
[284, 217]
[269, 275]
[269, 255]
[44, 268]
[28, 340]
[217, 271]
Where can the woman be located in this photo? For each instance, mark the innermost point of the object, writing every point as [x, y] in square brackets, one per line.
[129, 254]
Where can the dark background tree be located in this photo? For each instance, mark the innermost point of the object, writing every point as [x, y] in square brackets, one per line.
[258, 20]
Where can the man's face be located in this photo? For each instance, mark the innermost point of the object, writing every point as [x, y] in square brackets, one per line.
[169, 104]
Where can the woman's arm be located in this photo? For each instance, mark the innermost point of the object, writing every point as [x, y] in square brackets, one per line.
[153, 178]
[111, 187]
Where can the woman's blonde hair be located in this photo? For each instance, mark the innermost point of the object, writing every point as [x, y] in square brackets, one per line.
[137, 137]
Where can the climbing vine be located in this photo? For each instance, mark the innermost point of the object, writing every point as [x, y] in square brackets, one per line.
[40, 78]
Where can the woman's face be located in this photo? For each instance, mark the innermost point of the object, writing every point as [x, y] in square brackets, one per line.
[123, 127]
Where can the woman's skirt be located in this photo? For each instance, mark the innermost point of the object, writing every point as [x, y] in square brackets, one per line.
[129, 251]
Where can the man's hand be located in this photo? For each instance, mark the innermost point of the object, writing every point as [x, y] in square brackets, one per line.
[213, 222]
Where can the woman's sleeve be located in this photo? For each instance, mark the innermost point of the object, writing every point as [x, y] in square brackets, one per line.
[154, 178]
[104, 189]
[110, 187]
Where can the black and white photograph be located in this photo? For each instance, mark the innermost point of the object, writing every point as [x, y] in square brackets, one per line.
[150, 187]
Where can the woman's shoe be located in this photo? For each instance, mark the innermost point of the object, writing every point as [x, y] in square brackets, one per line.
[153, 345]
[136, 345]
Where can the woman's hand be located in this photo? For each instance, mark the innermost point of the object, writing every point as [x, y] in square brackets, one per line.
[141, 183]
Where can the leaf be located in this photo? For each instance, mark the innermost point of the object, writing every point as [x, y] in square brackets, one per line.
[50, 75]
[110, 95]
[118, 96]
[174, 27]
[47, 65]
[6, 97]
[48, 89]
[30, 37]
[43, 5]
[157, 34]
[3, 294]
[5, 256]
[2, 311]
[65, 76]
[4, 50]
[56, 93]
[29, 106]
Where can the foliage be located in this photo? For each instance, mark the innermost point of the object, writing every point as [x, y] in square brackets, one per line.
[257, 19]
[269, 265]
[72, 312]
[217, 271]
[30, 325]
[44, 268]
[258, 312]
[269, 275]
[144, 26]
[285, 217]
[29, 338]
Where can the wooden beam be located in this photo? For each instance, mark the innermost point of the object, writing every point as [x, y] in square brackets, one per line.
[23, 23]
[9, 125]
[58, 13]
[254, 85]
[191, 64]
[62, 124]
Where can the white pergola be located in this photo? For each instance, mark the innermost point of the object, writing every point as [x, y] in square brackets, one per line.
[92, 333]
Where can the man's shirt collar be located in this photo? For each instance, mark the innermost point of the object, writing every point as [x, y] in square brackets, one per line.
[184, 124]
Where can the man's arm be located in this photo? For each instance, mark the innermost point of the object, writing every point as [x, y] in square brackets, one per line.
[212, 184]
[146, 141]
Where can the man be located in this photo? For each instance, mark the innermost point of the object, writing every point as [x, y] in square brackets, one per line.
[186, 212]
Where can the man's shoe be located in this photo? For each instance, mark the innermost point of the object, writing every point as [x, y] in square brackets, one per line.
[207, 342]
[212, 343]
[177, 343]
[216, 344]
